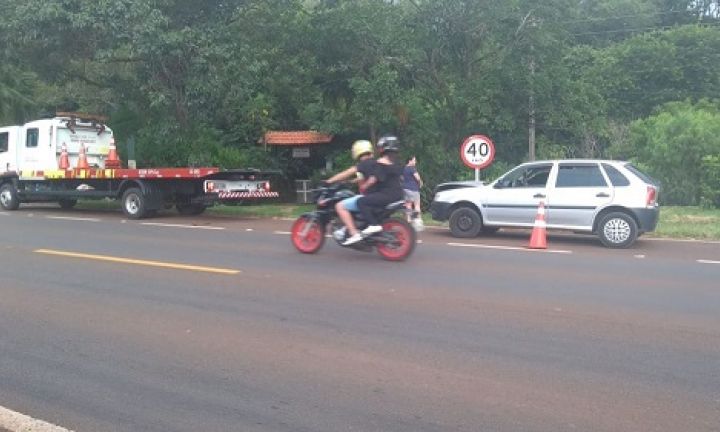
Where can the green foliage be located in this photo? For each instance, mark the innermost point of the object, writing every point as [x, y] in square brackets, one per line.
[674, 143]
[710, 181]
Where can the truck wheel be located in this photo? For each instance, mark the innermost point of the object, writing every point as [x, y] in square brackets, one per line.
[465, 222]
[8, 197]
[617, 230]
[67, 204]
[133, 204]
[190, 209]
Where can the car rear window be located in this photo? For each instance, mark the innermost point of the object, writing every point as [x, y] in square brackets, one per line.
[616, 177]
[644, 177]
[579, 175]
[4, 138]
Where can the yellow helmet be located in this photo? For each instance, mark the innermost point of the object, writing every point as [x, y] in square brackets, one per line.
[361, 147]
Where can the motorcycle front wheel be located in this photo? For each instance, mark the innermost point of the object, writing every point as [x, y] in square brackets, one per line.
[403, 240]
[307, 234]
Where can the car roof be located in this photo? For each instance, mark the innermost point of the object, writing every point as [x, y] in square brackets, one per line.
[578, 161]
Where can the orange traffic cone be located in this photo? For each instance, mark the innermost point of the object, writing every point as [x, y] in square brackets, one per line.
[64, 162]
[82, 158]
[112, 160]
[538, 238]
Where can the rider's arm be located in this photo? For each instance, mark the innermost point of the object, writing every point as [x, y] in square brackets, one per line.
[369, 182]
[419, 180]
[344, 175]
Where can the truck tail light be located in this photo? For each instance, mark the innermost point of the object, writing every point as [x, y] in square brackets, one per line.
[651, 196]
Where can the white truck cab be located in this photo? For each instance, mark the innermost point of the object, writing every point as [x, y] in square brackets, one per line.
[36, 146]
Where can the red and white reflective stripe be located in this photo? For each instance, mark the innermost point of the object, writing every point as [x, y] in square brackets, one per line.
[258, 194]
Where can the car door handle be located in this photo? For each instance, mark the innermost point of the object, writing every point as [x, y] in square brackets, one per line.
[539, 195]
[602, 195]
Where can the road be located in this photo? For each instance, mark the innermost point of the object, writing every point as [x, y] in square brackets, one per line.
[218, 324]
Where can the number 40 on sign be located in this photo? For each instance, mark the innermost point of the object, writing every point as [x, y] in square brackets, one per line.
[477, 152]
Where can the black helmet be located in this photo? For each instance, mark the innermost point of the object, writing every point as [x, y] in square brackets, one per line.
[388, 143]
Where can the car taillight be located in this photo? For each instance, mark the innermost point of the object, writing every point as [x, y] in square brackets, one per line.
[651, 196]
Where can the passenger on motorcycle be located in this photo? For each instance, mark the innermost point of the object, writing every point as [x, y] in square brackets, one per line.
[362, 152]
[383, 187]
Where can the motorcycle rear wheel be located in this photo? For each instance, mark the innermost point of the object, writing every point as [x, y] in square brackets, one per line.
[307, 234]
[404, 241]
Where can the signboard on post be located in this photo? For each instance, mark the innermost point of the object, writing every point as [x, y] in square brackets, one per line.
[301, 152]
[477, 152]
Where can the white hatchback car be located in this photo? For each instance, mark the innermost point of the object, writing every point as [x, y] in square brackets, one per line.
[611, 199]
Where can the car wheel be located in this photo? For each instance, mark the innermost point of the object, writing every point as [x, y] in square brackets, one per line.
[465, 222]
[617, 230]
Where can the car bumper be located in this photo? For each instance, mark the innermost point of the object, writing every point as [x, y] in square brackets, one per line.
[440, 210]
[647, 218]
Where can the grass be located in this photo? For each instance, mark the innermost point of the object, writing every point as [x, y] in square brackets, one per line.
[675, 222]
[688, 222]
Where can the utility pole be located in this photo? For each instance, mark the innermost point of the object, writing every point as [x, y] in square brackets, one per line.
[531, 97]
[531, 111]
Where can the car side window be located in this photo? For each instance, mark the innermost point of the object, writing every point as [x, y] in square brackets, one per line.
[32, 138]
[528, 176]
[579, 175]
[4, 138]
[616, 177]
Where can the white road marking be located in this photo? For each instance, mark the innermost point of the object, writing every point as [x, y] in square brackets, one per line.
[283, 232]
[4, 214]
[702, 261]
[71, 218]
[482, 246]
[204, 227]
[640, 256]
[16, 422]
[249, 229]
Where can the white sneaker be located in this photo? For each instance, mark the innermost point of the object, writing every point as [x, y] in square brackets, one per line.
[372, 229]
[352, 240]
[339, 233]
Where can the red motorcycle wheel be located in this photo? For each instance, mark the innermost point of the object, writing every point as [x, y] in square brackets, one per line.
[405, 240]
[307, 235]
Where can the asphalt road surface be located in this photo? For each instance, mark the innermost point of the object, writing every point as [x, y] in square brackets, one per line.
[218, 324]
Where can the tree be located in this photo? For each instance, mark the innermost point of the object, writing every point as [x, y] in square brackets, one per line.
[676, 145]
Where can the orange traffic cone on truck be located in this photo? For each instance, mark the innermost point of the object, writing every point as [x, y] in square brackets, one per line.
[82, 158]
[64, 162]
[112, 160]
[538, 238]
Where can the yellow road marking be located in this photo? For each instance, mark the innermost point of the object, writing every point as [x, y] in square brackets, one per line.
[138, 262]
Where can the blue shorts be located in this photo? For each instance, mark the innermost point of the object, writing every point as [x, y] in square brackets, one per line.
[350, 204]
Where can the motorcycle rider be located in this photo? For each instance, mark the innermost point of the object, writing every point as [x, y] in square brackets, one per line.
[362, 152]
[383, 186]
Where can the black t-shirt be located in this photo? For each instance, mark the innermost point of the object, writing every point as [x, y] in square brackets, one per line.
[388, 181]
[366, 169]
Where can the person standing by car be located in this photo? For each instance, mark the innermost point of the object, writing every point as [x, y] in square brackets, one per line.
[412, 182]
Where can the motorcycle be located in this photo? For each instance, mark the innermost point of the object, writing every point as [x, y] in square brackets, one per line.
[395, 242]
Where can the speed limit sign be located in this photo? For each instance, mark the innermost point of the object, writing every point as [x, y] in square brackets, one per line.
[477, 151]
